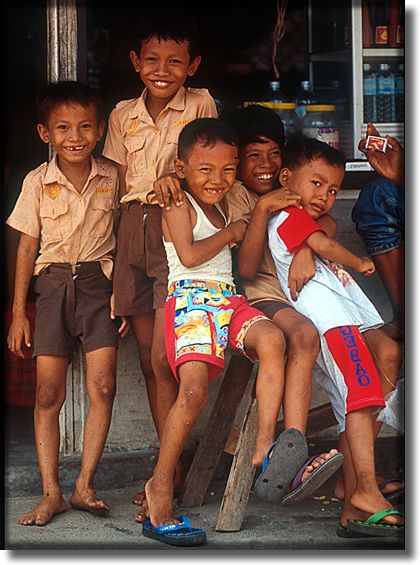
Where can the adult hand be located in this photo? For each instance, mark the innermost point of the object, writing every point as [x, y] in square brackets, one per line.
[166, 189]
[390, 164]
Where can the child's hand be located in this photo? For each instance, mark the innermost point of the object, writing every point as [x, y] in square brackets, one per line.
[237, 230]
[19, 331]
[279, 199]
[301, 270]
[366, 266]
[125, 324]
[166, 188]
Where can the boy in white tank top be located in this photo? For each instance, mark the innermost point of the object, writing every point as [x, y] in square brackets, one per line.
[203, 313]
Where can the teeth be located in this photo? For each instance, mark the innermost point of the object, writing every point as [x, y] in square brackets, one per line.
[265, 176]
[161, 83]
[74, 148]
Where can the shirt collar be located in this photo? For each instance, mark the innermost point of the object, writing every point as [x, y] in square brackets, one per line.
[54, 174]
[140, 110]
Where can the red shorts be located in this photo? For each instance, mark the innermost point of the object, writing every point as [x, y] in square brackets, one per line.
[202, 318]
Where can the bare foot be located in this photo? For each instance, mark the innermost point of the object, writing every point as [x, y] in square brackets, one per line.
[370, 503]
[140, 497]
[159, 500]
[262, 445]
[387, 489]
[44, 511]
[88, 501]
[320, 459]
[143, 512]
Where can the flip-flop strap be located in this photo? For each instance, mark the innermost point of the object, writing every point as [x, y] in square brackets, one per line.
[298, 477]
[184, 524]
[386, 482]
[267, 456]
[378, 516]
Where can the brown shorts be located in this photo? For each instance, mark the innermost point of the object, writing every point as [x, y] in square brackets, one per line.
[270, 307]
[141, 267]
[71, 308]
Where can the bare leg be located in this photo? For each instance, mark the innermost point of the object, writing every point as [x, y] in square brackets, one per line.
[50, 395]
[192, 397]
[100, 384]
[387, 355]
[302, 349]
[269, 344]
[390, 267]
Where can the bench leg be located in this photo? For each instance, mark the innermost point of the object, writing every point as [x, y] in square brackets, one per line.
[213, 441]
[238, 486]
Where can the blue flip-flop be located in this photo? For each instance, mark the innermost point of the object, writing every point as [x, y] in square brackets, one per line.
[300, 490]
[176, 534]
[281, 463]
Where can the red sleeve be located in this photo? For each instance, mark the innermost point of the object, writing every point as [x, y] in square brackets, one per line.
[296, 228]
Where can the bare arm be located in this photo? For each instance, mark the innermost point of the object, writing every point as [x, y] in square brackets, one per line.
[250, 251]
[177, 226]
[328, 248]
[25, 261]
[122, 171]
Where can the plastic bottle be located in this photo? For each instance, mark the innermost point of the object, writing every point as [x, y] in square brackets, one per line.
[320, 123]
[291, 122]
[369, 94]
[381, 24]
[338, 98]
[274, 92]
[305, 96]
[399, 93]
[385, 97]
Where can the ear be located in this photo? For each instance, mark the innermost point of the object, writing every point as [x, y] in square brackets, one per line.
[135, 60]
[179, 168]
[194, 66]
[284, 176]
[43, 133]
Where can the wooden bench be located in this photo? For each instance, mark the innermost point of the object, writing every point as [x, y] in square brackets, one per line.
[220, 436]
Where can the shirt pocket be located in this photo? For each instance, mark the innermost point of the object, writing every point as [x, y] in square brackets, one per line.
[55, 219]
[136, 154]
[102, 215]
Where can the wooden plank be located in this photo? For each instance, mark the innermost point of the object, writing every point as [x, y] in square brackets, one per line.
[320, 418]
[238, 486]
[214, 439]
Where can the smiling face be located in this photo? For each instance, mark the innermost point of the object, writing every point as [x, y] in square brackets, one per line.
[259, 165]
[317, 182]
[164, 66]
[209, 171]
[73, 131]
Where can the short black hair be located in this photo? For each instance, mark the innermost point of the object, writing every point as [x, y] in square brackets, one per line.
[53, 94]
[298, 153]
[206, 131]
[169, 22]
[254, 122]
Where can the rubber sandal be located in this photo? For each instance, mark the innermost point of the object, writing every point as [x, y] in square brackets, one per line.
[281, 463]
[176, 534]
[375, 526]
[300, 490]
[396, 496]
[343, 532]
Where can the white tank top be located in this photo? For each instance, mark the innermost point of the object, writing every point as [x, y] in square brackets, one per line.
[219, 268]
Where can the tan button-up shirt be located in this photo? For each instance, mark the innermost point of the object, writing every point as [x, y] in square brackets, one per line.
[265, 285]
[72, 227]
[146, 148]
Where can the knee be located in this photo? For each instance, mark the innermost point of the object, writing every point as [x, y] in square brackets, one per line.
[160, 365]
[303, 339]
[193, 398]
[271, 345]
[103, 388]
[49, 397]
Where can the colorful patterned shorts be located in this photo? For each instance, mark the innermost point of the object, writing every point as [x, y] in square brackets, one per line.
[202, 318]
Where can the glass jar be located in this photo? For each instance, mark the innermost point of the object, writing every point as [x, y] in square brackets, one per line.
[320, 123]
[291, 122]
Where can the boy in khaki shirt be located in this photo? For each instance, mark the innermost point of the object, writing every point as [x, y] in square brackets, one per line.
[142, 140]
[67, 208]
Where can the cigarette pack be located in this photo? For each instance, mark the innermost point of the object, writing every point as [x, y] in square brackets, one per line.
[375, 142]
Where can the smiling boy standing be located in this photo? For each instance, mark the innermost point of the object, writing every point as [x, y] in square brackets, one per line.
[142, 140]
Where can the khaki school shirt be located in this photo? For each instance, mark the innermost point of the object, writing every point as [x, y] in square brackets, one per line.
[265, 286]
[72, 227]
[146, 148]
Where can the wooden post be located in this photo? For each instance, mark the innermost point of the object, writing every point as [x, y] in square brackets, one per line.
[239, 483]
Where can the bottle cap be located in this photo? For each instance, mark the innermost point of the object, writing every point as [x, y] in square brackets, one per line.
[264, 103]
[274, 84]
[366, 66]
[306, 84]
[384, 67]
[283, 105]
[320, 108]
